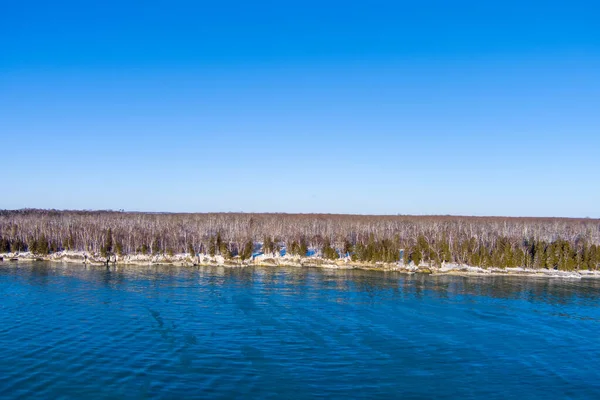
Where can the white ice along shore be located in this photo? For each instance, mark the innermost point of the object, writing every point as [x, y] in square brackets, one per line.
[283, 259]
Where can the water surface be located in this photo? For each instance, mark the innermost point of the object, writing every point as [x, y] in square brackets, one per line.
[69, 331]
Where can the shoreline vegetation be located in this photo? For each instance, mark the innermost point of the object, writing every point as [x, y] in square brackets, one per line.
[560, 247]
[273, 260]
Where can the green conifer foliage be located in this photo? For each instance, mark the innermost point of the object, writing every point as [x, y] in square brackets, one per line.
[348, 247]
[298, 248]
[225, 251]
[444, 250]
[359, 253]
[4, 245]
[42, 246]
[328, 251]
[540, 255]
[17, 246]
[32, 245]
[268, 245]
[423, 247]
[303, 247]
[156, 247]
[108, 241]
[406, 257]
[212, 247]
[219, 241]
[107, 247]
[119, 248]
[416, 256]
[594, 257]
[246, 252]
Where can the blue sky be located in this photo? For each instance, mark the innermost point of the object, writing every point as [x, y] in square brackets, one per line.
[428, 107]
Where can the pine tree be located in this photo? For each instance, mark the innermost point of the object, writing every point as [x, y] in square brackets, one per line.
[224, 250]
[328, 251]
[423, 247]
[42, 246]
[119, 248]
[106, 248]
[520, 259]
[17, 245]
[247, 250]
[4, 245]
[32, 245]
[108, 241]
[416, 256]
[156, 245]
[268, 245]
[219, 241]
[292, 248]
[303, 247]
[540, 255]
[445, 254]
[594, 257]
[348, 247]
[508, 257]
[359, 253]
[212, 247]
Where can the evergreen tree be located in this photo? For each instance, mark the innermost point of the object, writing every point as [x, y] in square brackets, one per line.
[17, 246]
[406, 257]
[106, 248]
[4, 245]
[360, 252]
[423, 247]
[119, 248]
[445, 253]
[348, 247]
[416, 256]
[568, 257]
[212, 247]
[520, 259]
[508, 257]
[268, 245]
[156, 248]
[225, 251]
[42, 246]
[594, 257]
[32, 245]
[108, 241]
[328, 251]
[540, 255]
[69, 243]
[219, 241]
[552, 256]
[247, 250]
[298, 248]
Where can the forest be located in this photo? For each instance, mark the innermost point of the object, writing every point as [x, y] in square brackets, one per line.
[551, 243]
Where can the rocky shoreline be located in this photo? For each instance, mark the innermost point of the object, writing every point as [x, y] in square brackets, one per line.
[75, 257]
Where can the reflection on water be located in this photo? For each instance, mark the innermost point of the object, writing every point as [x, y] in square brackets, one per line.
[165, 331]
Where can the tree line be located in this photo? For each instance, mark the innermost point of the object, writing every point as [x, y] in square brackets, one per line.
[555, 243]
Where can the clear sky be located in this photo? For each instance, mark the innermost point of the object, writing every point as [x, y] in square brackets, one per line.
[400, 107]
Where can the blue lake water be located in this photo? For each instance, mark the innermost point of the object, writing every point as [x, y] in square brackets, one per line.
[71, 331]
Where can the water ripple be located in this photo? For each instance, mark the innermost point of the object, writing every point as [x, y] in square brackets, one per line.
[168, 332]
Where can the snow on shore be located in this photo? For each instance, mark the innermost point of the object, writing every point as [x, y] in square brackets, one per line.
[277, 259]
